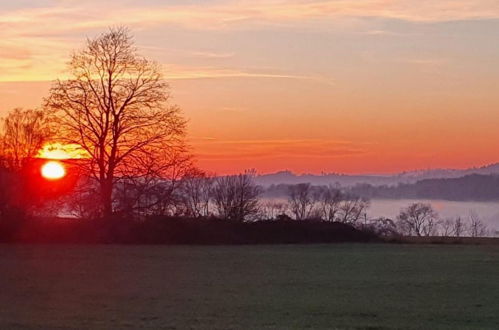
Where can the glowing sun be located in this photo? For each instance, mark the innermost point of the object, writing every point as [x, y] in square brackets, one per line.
[53, 170]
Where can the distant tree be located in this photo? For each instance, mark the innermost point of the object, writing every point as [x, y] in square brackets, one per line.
[196, 189]
[419, 219]
[115, 106]
[235, 197]
[330, 200]
[476, 227]
[302, 201]
[447, 227]
[23, 134]
[151, 183]
[352, 209]
[458, 227]
[272, 209]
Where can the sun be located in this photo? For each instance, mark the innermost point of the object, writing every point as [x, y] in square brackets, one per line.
[53, 170]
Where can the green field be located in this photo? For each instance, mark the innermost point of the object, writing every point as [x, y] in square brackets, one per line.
[343, 286]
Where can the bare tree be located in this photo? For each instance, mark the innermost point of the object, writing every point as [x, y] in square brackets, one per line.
[447, 225]
[302, 201]
[418, 219]
[330, 200]
[235, 197]
[476, 227]
[83, 201]
[23, 134]
[272, 209]
[196, 190]
[459, 227]
[114, 105]
[352, 209]
[150, 183]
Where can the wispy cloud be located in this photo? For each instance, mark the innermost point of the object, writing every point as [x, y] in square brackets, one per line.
[42, 37]
[213, 149]
[175, 72]
[216, 14]
[215, 55]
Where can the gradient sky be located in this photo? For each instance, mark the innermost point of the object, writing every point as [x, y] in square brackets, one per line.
[353, 86]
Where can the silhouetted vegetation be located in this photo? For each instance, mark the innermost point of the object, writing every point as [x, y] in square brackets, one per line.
[115, 107]
[137, 183]
[168, 230]
[474, 187]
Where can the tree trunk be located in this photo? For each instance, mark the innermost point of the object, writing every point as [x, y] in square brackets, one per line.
[107, 198]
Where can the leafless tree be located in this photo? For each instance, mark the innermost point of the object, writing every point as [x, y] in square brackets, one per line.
[23, 134]
[150, 183]
[115, 106]
[302, 201]
[330, 200]
[352, 209]
[447, 227]
[459, 227]
[476, 227]
[272, 209]
[83, 201]
[235, 197]
[418, 219]
[196, 190]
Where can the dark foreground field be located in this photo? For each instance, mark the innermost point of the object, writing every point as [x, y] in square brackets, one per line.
[343, 286]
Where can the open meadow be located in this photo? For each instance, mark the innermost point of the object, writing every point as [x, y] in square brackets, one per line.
[338, 286]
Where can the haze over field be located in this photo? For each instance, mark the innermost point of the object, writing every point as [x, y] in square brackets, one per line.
[337, 86]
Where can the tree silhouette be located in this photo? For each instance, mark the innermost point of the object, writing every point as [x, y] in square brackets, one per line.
[22, 136]
[115, 106]
[418, 219]
[235, 197]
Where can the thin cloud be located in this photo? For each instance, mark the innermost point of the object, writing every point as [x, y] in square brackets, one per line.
[265, 149]
[214, 55]
[174, 72]
[43, 36]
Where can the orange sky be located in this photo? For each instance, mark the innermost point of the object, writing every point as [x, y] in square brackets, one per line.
[364, 86]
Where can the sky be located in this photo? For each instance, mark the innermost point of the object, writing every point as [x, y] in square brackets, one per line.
[311, 86]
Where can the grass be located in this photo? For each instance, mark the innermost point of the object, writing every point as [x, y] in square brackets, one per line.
[342, 286]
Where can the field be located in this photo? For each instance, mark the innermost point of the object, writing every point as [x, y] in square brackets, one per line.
[339, 286]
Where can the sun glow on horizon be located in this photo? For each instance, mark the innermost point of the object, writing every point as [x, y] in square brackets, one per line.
[53, 170]
[62, 151]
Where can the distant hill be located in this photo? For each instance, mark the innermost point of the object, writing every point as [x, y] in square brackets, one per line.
[346, 180]
[472, 187]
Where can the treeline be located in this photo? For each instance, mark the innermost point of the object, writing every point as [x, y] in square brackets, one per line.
[134, 171]
[178, 230]
[473, 187]
[203, 209]
[332, 203]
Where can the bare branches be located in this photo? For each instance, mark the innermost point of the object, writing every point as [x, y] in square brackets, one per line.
[419, 219]
[23, 134]
[236, 197]
[115, 105]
